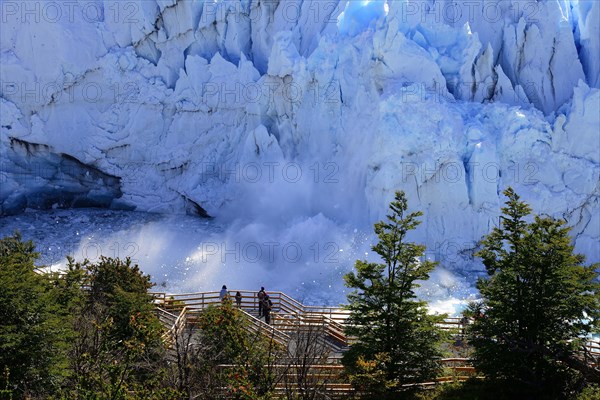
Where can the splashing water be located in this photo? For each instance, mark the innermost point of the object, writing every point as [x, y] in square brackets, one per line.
[305, 258]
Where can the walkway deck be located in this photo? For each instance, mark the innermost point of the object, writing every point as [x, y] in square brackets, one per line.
[290, 317]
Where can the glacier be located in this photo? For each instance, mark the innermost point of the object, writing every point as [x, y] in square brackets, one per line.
[298, 119]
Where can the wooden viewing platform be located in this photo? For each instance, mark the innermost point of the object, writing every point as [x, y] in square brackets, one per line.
[286, 313]
[289, 318]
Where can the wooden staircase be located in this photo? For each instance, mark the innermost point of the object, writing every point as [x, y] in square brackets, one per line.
[288, 316]
[290, 319]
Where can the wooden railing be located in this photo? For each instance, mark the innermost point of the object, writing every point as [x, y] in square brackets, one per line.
[189, 316]
[592, 347]
[165, 317]
[290, 318]
[290, 315]
[286, 310]
[178, 326]
[329, 377]
[259, 326]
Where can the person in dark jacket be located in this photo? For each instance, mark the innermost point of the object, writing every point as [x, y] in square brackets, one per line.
[267, 306]
[238, 299]
[261, 297]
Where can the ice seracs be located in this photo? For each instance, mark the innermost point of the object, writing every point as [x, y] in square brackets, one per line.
[172, 106]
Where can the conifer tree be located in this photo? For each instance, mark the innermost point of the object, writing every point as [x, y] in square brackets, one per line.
[539, 302]
[33, 328]
[398, 341]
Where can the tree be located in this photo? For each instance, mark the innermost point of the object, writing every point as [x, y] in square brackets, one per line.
[398, 341]
[220, 355]
[540, 301]
[33, 332]
[236, 343]
[118, 348]
[88, 332]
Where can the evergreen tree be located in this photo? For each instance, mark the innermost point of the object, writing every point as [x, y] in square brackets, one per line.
[118, 347]
[89, 332]
[121, 289]
[398, 342]
[539, 302]
[33, 332]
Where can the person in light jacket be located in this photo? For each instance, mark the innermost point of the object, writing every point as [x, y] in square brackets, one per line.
[223, 294]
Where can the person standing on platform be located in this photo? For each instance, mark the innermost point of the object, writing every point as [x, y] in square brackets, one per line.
[261, 297]
[238, 299]
[223, 294]
[267, 306]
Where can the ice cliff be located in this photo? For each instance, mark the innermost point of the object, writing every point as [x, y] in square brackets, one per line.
[284, 110]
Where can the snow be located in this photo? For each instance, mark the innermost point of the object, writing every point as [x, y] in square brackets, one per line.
[285, 117]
